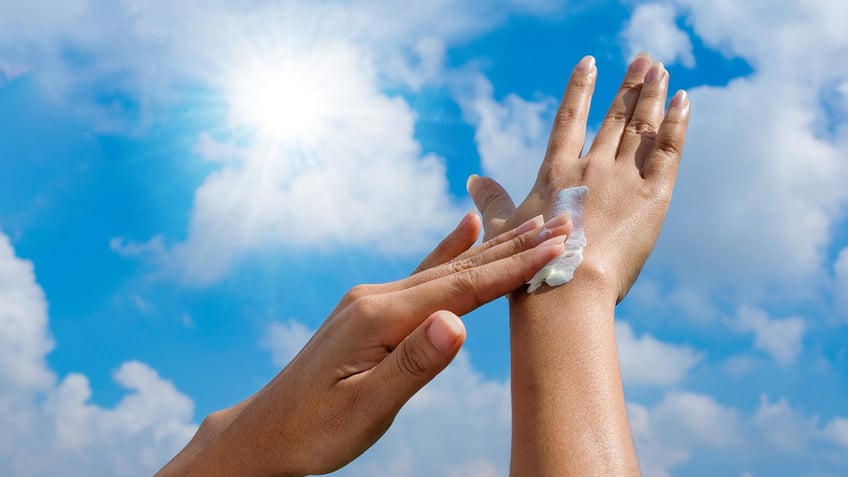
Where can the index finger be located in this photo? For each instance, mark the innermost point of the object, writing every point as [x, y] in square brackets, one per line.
[464, 291]
[457, 242]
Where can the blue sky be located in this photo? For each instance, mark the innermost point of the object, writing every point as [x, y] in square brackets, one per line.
[174, 223]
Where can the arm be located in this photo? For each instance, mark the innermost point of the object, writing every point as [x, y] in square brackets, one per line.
[569, 415]
[379, 346]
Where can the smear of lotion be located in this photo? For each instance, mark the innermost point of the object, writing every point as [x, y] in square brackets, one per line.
[560, 270]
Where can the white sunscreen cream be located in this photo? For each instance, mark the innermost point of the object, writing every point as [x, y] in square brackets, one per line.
[560, 270]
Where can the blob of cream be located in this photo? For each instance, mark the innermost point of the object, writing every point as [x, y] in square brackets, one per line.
[560, 270]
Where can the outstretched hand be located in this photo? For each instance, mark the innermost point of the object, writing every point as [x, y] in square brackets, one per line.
[380, 345]
[630, 170]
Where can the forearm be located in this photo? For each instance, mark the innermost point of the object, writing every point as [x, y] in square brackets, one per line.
[568, 409]
[219, 449]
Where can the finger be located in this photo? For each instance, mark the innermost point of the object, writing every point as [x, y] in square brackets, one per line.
[492, 200]
[458, 241]
[466, 290]
[534, 223]
[609, 135]
[664, 160]
[417, 360]
[569, 129]
[647, 115]
[558, 226]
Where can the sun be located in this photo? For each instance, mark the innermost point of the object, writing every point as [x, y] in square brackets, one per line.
[288, 100]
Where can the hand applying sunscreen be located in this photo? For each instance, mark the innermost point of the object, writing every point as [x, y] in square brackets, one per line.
[560, 270]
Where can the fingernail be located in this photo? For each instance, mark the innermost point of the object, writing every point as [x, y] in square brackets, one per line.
[557, 221]
[444, 331]
[641, 64]
[468, 182]
[586, 65]
[656, 73]
[466, 218]
[680, 100]
[531, 224]
[553, 242]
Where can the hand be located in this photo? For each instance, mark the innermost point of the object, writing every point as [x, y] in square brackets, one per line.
[630, 171]
[379, 346]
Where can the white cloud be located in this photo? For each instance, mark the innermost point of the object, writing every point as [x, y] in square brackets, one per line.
[773, 438]
[367, 186]
[24, 341]
[837, 431]
[458, 423]
[741, 364]
[652, 27]
[840, 289]
[667, 433]
[782, 427]
[780, 338]
[8, 72]
[51, 428]
[761, 187]
[285, 340]
[648, 361]
[179, 40]
[363, 181]
[511, 135]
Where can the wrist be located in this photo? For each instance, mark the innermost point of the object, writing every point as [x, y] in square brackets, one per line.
[591, 279]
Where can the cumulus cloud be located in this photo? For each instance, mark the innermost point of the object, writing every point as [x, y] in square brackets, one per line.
[459, 423]
[362, 180]
[24, 341]
[652, 27]
[681, 425]
[648, 361]
[52, 428]
[840, 290]
[761, 185]
[178, 41]
[667, 433]
[285, 340]
[780, 338]
[782, 427]
[511, 134]
[837, 431]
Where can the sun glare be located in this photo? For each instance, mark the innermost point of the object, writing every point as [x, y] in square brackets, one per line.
[283, 101]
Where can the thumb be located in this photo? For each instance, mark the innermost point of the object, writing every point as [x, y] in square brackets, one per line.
[493, 202]
[419, 358]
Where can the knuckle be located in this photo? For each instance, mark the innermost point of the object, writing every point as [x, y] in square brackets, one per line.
[550, 175]
[648, 191]
[360, 291]
[213, 422]
[366, 307]
[490, 202]
[460, 266]
[356, 293]
[642, 127]
[615, 118]
[631, 87]
[567, 115]
[662, 192]
[669, 147]
[523, 242]
[413, 362]
[468, 283]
